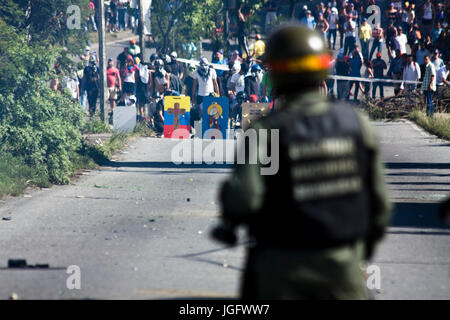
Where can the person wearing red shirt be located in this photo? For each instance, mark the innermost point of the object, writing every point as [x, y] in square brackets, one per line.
[114, 84]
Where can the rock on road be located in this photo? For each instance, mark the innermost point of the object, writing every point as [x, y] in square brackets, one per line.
[139, 229]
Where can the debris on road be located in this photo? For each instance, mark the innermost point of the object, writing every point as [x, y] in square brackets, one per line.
[400, 106]
[14, 296]
[22, 263]
[6, 218]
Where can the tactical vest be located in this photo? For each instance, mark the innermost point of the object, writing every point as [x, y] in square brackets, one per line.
[319, 197]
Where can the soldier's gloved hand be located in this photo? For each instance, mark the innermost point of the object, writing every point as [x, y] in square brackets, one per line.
[225, 233]
[370, 250]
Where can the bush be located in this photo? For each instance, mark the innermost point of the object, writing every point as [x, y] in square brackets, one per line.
[37, 125]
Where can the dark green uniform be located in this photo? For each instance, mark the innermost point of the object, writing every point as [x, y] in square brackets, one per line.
[320, 216]
[301, 265]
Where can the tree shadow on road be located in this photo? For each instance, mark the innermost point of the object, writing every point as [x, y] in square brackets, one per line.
[417, 165]
[166, 165]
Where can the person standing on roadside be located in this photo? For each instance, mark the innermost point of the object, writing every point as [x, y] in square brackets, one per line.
[113, 83]
[429, 85]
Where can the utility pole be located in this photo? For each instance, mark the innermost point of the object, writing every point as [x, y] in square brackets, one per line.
[141, 29]
[102, 56]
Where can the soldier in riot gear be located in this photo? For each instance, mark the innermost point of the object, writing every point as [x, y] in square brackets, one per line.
[320, 217]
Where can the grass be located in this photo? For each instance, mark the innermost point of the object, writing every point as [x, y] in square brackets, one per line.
[95, 125]
[16, 176]
[438, 125]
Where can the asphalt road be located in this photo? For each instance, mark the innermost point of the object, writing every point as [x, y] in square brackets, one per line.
[139, 229]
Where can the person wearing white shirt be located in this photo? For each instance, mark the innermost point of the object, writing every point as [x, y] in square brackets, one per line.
[206, 78]
[350, 35]
[411, 72]
[401, 41]
[442, 75]
[441, 78]
[436, 60]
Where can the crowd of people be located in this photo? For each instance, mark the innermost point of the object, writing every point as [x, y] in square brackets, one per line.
[120, 15]
[416, 46]
[416, 41]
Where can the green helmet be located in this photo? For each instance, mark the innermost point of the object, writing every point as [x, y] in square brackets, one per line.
[297, 58]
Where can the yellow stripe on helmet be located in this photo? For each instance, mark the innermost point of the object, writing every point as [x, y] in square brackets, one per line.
[310, 63]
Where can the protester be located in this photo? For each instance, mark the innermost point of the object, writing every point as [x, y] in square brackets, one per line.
[129, 73]
[122, 58]
[365, 33]
[242, 31]
[259, 47]
[356, 62]
[368, 74]
[221, 79]
[238, 79]
[342, 69]
[251, 81]
[333, 20]
[134, 49]
[271, 8]
[322, 25]
[420, 57]
[408, 17]
[379, 65]
[206, 79]
[442, 75]
[267, 87]
[142, 87]
[377, 43]
[429, 85]
[91, 80]
[309, 20]
[160, 80]
[341, 22]
[427, 15]
[436, 60]
[113, 83]
[177, 70]
[395, 70]
[350, 35]
[401, 41]
[411, 72]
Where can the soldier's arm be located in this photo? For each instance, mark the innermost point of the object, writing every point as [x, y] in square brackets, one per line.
[380, 203]
[242, 195]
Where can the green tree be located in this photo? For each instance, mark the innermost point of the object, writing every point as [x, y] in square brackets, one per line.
[177, 22]
[45, 21]
[38, 125]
